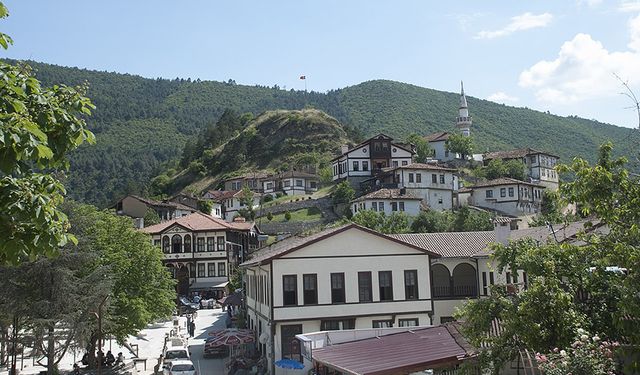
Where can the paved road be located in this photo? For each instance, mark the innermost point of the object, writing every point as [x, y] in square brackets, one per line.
[206, 321]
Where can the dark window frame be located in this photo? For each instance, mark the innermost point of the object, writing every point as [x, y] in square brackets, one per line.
[386, 294]
[338, 295]
[290, 299]
[365, 287]
[310, 295]
[411, 291]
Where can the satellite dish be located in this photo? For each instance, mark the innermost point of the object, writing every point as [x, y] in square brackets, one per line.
[264, 337]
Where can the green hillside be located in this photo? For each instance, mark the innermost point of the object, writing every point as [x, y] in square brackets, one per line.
[142, 123]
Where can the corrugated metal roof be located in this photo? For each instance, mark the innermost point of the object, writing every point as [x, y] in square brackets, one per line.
[399, 353]
[450, 244]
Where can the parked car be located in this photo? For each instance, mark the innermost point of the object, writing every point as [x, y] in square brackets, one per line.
[186, 306]
[173, 353]
[180, 367]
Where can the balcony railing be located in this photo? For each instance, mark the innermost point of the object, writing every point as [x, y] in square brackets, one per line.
[455, 291]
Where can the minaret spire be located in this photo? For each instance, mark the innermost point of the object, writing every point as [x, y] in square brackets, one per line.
[463, 122]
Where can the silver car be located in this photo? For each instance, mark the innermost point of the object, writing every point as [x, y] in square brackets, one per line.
[180, 367]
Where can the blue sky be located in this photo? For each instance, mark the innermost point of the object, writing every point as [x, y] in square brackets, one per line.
[556, 55]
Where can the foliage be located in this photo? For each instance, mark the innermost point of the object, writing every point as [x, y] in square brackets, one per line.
[467, 220]
[246, 201]
[499, 168]
[287, 215]
[431, 222]
[205, 206]
[40, 126]
[423, 151]
[458, 143]
[397, 222]
[304, 214]
[551, 211]
[326, 175]
[269, 216]
[151, 217]
[586, 356]
[343, 193]
[571, 286]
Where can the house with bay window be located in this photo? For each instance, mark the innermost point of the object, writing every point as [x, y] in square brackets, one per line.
[347, 277]
[199, 249]
[539, 165]
[370, 157]
[506, 195]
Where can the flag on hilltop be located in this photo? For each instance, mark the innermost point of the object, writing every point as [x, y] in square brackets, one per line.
[303, 77]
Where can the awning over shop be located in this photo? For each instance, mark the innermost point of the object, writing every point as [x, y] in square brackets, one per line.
[398, 353]
[208, 285]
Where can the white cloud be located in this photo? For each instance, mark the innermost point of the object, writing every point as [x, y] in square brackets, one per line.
[502, 97]
[590, 3]
[584, 70]
[629, 6]
[524, 21]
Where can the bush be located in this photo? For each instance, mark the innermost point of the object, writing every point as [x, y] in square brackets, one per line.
[269, 216]
[287, 216]
[267, 198]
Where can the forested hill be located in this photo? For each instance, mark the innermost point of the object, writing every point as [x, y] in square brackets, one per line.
[141, 123]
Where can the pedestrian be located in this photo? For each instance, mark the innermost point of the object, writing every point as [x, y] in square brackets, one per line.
[192, 328]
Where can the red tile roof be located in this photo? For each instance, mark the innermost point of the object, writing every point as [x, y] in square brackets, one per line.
[198, 222]
[437, 137]
[399, 353]
[426, 166]
[388, 194]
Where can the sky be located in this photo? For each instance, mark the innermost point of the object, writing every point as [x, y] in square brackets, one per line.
[557, 56]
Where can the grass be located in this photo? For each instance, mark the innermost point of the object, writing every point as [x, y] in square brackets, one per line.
[305, 214]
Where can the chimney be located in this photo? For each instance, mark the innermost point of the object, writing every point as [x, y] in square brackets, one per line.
[239, 219]
[344, 149]
[502, 229]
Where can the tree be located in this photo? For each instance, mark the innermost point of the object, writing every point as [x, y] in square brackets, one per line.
[458, 143]
[40, 126]
[423, 151]
[269, 216]
[431, 222]
[570, 286]
[467, 220]
[246, 200]
[326, 175]
[397, 222]
[287, 215]
[343, 193]
[151, 217]
[205, 206]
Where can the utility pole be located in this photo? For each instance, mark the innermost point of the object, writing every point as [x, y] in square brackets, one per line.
[99, 317]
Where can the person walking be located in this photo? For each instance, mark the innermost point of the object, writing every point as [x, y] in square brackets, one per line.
[192, 329]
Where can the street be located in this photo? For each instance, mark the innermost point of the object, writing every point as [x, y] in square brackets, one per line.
[207, 321]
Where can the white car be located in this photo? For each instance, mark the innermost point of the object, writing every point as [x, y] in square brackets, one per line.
[180, 367]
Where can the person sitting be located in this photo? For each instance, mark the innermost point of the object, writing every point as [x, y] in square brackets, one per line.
[110, 359]
[120, 359]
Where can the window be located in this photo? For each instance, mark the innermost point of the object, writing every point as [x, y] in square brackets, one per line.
[187, 243]
[386, 286]
[394, 163]
[446, 319]
[381, 206]
[533, 159]
[408, 322]
[211, 269]
[220, 241]
[382, 323]
[211, 242]
[299, 183]
[365, 165]
[200, 244]
[511, 192]
[337, 324]
[418, 177]
[364, 287]
[489, 193]
[165, 244]
[222, 269]
[411, 284]
[491, 281]
[442, 179]
[374, 206]
[508, 277]
[287, 183]
[410, 177]
[484, 284]
[434, 178]
[356, 166]
[156, 243]
[503, 192]
[176, 243]
[401, 206]
[337, 288]
[290, 345]
[394, 206]
[310, 287]
[289, 290]
[404, 163]
[200, 269]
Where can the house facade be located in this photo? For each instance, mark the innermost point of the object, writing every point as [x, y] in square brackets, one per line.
[388, 201]
[290, 183]
[539, 165]
[370, 157]
[137, 207]
[228, 202]
[508, 196]
[438, 143]
[198, 250]
[348, 277]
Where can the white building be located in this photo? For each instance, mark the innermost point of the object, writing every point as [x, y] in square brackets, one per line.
[539, 165]
[137, 207]
[341, 278]
[228, 203]
[290, 183]
[507, 196]
[370, 157]
[198, 249]
[465, 269]
[388, 201]
[434, 184]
